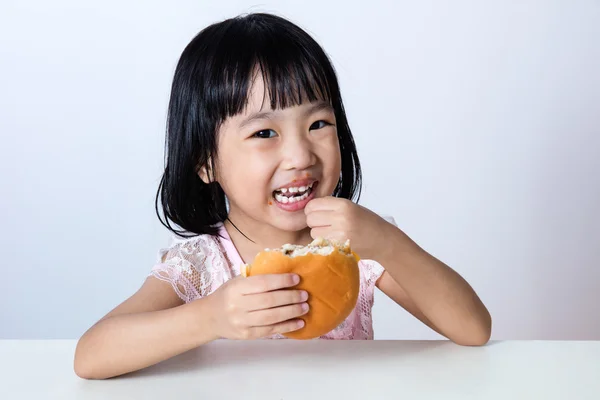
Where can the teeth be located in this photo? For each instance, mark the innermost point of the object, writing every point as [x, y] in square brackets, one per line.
[298, 194]
[299, 189]
[281, 199]
[305, 195]
[293, 199]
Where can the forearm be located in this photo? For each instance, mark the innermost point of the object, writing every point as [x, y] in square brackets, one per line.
[129, 342]
[439, 292]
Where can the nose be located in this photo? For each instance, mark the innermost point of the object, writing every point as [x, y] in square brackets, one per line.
[298, 153]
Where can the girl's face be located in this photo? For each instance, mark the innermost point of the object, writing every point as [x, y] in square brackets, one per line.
[271, 163]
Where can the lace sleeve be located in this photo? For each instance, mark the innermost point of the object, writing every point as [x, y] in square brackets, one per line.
[372, 271]
[182, 265]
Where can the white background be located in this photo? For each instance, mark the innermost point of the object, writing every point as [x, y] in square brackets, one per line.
[478, 125]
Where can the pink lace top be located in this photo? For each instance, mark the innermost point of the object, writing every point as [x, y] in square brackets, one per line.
[197, 266]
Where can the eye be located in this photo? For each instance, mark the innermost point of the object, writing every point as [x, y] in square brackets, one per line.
[265, 134]
[319, 125]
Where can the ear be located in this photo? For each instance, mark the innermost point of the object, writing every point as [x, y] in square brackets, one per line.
[205, 172]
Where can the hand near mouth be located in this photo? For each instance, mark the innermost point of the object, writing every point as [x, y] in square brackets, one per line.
[340, 219]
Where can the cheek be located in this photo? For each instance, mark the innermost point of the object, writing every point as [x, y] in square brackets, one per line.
[332, 159]
[246, 175]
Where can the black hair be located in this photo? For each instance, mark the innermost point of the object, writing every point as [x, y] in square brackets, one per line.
[211, 82]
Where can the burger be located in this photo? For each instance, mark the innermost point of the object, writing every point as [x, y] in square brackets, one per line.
[328, 272]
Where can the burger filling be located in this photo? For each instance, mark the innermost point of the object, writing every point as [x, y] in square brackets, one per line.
[318, 246]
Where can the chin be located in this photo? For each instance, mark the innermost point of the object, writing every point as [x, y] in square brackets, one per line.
[291, 223]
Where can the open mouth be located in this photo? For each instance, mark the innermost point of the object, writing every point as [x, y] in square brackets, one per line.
[294, 194]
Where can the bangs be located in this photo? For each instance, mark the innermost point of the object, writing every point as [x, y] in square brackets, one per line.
[293, 67]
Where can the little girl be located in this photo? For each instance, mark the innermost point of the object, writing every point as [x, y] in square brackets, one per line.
[259, 153]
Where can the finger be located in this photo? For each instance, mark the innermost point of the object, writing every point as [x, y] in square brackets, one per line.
[322, 232]
[280, 328]
[268, 282]
[329, 234]
[276, 315]
[320, 218]
[277, 298]
[328, 203]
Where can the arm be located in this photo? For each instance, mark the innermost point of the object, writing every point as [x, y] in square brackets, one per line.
[153, 318]
[431, 291]
[417, 281]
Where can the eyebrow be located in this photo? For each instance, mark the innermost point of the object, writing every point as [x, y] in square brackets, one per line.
[269, 115]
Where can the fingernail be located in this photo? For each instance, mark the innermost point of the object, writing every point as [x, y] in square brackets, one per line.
[305, 307]
[300, 323]
[304, 296]
[296, 279]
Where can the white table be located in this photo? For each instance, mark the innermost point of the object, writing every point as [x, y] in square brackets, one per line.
[288, 370]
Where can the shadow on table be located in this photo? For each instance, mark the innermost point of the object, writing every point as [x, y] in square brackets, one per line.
[226, 353]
